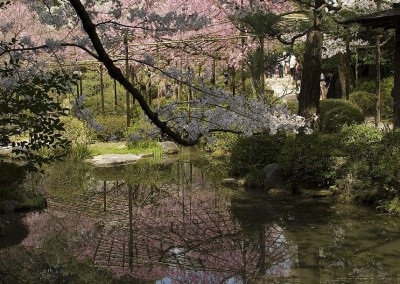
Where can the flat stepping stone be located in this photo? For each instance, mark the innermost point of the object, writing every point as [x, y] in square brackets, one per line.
[114, 159]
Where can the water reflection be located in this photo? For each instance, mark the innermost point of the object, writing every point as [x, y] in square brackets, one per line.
[168, 223]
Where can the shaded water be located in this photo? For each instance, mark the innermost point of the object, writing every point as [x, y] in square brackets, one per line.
[172, 222]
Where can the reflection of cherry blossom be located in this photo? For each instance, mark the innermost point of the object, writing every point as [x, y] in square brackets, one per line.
[185, 234]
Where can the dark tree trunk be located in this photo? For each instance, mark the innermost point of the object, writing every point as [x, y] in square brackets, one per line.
[396, 87]
[310, 81]
[378, 73]
[342, 73]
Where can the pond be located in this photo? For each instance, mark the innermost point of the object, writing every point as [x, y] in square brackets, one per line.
[162, 222]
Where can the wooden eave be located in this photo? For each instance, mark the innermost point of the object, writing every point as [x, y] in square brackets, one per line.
[384, 19]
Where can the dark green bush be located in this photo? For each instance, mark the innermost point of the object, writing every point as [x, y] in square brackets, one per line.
[255, 152]
[336, 113]
[387, 165]
[362, 145]
[307, 159]
[365, 101]
[113, 128]
[11, 177]
[386, 97]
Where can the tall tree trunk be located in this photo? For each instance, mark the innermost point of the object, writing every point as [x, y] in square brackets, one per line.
[310, 81]
[396, 87]
[262, 64]
[349, 75]
[378, 73]
[342, 73]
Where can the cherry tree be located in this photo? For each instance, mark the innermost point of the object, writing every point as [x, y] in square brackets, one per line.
[95, 28]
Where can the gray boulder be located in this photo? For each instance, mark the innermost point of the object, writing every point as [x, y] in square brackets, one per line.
[169, 147]
[274, 176]
[7, 206]
[114, 159]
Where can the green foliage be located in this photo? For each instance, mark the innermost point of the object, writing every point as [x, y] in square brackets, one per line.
[141, 130]
[361, 144]
[308, 159]
[11, 177]
[28, 110]
[365, 101]
[254, 152]
[372, 156]
[92, 90]
[387, 164]
[81, 137]
[386, 97]
[220, 142]
[336, 113]
[113, 128]
[392, 206]
[356, 138]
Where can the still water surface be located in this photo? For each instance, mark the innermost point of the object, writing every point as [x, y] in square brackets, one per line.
[172, 222]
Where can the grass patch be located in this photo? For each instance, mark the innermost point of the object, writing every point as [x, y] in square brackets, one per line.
[102, 148]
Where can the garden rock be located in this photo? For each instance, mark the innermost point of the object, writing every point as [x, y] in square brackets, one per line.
[231, 182]
[7, 206]
[114, 159]
[273, 176]
[169, 147]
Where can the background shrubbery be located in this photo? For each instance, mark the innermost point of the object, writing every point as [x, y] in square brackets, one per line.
[338, 112]
[254, 152]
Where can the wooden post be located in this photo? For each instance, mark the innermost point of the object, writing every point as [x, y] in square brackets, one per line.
[233, 80]
[133, 81]
[115, 93]
[128, 100]
[103, 112]
[396, 87]
[213, 78]
[378, 73]
[81, 84]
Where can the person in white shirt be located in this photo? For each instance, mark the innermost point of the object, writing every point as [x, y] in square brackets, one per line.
[292, 65]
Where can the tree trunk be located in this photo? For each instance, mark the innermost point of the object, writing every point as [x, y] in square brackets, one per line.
[378, 81]
[378, 73]
[342, 72]
[396, 87]
[310, 81]
[262, 64]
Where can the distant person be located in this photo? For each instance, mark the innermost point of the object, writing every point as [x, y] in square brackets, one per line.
[281, 65]
[322, 84]
[292, 65]
[331, 85]
[298, 71]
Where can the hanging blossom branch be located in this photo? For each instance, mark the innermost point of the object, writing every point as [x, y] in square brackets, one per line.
[232, 113]
[46, 46]
[116, 74]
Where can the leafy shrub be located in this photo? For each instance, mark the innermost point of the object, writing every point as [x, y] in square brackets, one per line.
[355, 138]
[361, 144]
[220, 142]
[255, 152]
[113, 128]
[11, 177]
[308, 159]
[386, 97]
[364, 100]
[141, 130]
[78, 133]
[336, 113]
[387, 163]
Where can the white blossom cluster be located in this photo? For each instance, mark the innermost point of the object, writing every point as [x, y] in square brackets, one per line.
[217, 110]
